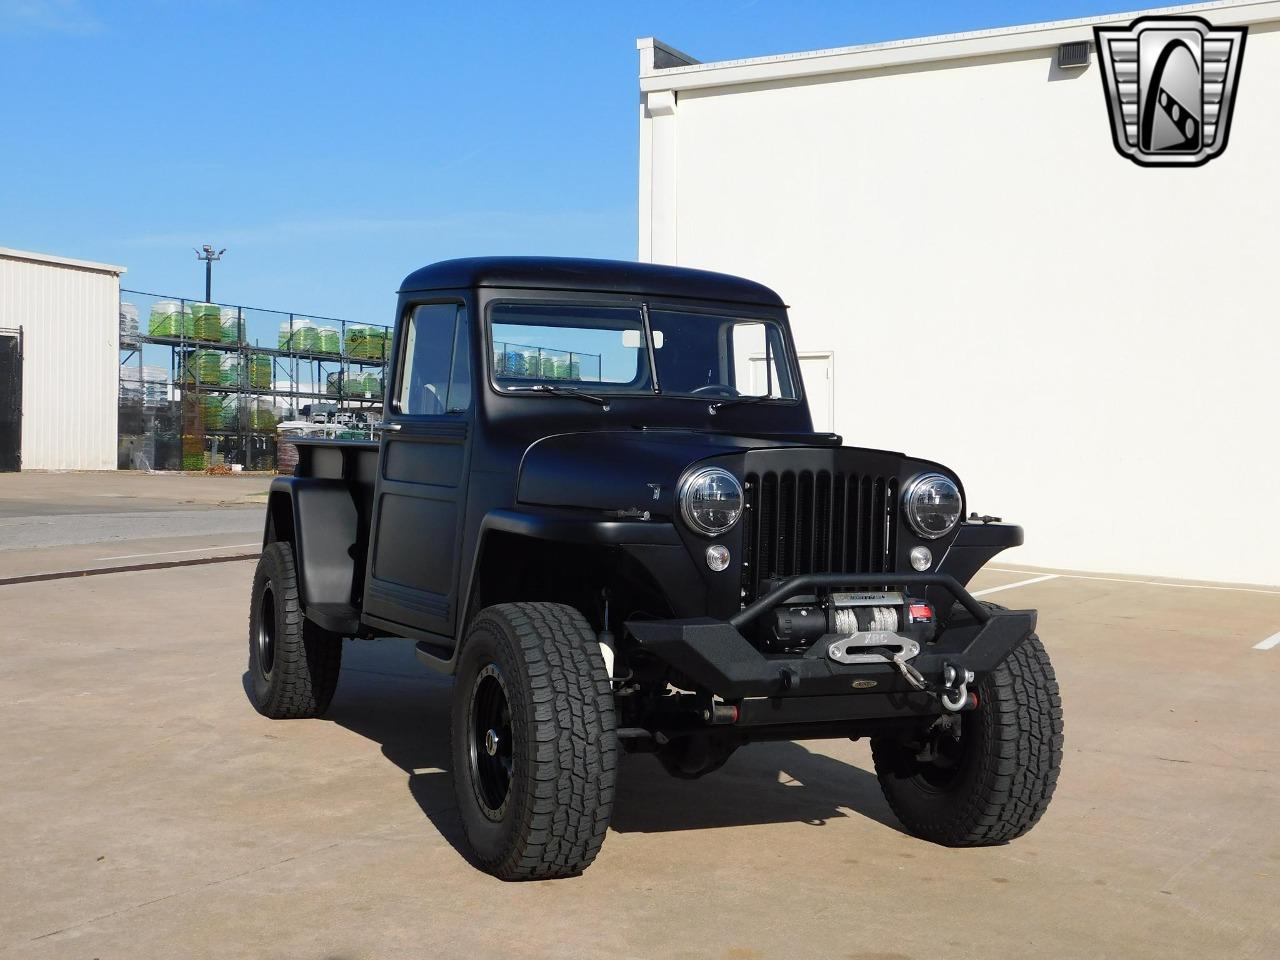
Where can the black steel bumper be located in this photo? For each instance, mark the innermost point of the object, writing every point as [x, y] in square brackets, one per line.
[717, 657]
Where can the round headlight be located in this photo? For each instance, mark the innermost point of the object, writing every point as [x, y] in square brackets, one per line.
[711, 500]
[933, 505]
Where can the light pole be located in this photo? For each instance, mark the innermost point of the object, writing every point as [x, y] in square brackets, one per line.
[208, 256]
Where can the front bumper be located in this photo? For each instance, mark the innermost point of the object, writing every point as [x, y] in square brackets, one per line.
[715, 656]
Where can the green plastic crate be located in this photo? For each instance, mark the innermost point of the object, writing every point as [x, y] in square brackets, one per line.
[260, 371]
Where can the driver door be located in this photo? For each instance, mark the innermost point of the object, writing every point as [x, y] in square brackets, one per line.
[421, 487]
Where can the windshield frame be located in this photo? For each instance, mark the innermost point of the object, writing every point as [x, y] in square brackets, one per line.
[652, 388]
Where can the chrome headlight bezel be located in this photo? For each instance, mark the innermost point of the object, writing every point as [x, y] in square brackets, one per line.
[910, 507]
[687, 485]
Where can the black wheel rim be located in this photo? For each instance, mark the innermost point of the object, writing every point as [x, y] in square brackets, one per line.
[952, 757]
[264, 641]
[489, 742]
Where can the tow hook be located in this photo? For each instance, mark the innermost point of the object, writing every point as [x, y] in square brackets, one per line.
[955, 684]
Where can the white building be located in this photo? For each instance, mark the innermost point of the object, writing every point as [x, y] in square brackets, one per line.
[977, 276]
[68, 314]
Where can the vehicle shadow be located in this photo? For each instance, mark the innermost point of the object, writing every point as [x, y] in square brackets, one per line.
[386, 696]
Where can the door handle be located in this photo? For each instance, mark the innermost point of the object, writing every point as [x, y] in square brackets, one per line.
[387, 426]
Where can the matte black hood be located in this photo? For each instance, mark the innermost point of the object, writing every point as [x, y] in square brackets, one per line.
[629, 469]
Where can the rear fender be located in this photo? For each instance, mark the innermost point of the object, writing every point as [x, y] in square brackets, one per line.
[319, 518]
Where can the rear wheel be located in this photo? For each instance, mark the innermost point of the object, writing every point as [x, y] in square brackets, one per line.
[293, 664]
[533, 742]
[986, 776]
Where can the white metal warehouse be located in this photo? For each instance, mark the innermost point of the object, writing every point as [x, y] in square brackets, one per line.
[65, 314]
[977, 276]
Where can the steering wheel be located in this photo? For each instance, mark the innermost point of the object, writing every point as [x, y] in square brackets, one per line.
[715, 390]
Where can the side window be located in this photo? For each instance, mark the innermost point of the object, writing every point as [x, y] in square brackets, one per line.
[434, 374]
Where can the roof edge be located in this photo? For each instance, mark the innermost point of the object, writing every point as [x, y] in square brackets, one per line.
[951, 46]
[52, 260]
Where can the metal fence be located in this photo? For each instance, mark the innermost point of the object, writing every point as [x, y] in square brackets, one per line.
[209, 383]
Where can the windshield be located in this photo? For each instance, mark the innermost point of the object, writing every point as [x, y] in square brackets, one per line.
[607, 349]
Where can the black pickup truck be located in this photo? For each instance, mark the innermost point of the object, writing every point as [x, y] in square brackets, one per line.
[598, 502]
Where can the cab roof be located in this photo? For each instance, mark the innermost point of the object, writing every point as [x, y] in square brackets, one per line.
[593, 276]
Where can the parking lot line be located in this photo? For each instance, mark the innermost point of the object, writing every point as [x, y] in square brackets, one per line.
[1267, 644]
[1148, 583]
[1020, 583]
[165, 553]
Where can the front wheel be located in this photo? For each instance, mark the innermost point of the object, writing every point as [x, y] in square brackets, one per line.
[984, 776]
[533, 741]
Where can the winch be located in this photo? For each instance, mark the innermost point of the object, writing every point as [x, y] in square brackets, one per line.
[870, 627]
[849, 620]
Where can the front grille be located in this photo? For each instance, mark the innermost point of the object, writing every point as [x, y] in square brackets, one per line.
[817, 521]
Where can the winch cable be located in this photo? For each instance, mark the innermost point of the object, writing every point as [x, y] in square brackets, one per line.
[917, 680]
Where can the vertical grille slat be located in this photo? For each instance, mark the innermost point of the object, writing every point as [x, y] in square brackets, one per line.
[861, 539]
[875, 559]
[817, 521]
[751, 546]
[787, 524]
[891, 523]
[839, 541]
[805, 520]
[822, 522]
[768, 536]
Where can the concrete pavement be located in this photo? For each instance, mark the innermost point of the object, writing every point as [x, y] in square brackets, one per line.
[41, 493]
[148, 811]
[57, 522]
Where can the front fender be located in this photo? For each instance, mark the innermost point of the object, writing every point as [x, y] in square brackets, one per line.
[975, 544]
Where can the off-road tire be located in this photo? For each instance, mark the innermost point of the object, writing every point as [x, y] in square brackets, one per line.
[1011, 756]
[563, 746]
[298, 678]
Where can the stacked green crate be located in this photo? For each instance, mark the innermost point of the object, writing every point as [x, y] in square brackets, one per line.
[193, 453]
[329, 340]
[366, 343]
[207, 321]
[308, 336]
[209, 366]
[230, 414]
[211, 411]
[262, 416]
[230, 373]
[260, 371]
[357, 340]
[288, 336]
[232, 325]
[165, 319]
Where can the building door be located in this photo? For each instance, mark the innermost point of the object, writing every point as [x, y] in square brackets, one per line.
[817, 369]
[10, 400]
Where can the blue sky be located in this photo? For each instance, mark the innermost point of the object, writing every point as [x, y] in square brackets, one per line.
[334, 147]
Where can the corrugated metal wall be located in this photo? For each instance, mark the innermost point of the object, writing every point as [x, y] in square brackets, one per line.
[71, 336]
